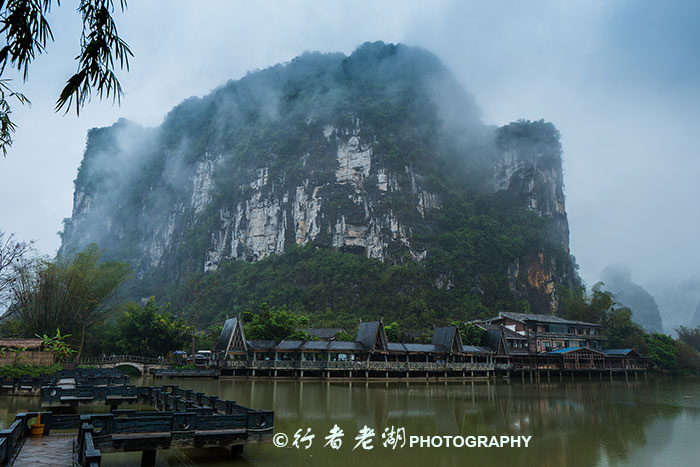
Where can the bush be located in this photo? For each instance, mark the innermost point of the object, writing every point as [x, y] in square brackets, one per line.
[662, 352]
[34, 371]
[688, 359]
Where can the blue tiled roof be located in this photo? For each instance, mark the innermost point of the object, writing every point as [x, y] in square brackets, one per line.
[565, 350]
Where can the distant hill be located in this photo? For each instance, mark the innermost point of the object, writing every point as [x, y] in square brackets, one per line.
[645, 312]
[696, 317]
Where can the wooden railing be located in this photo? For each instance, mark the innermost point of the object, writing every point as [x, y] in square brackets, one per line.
[605, 365]
[12, 438]
[54, 395]
[183, 418]
[186, 372]
[88, 455]
[122, 359]
[357, 365]
[24, 383]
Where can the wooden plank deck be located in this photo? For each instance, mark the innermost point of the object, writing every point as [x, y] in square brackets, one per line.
[47, 451]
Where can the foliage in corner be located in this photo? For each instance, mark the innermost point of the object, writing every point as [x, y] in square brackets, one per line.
[58, 345]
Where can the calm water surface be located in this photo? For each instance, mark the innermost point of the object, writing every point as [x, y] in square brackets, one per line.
[582, 423]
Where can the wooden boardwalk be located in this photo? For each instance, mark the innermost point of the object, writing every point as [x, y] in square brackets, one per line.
[182, 418]
[56, 450]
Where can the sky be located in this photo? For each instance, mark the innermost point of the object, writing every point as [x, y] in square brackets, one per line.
[619, 79]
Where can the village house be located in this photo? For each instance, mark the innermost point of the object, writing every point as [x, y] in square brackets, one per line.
[536, 333]
[511, 342]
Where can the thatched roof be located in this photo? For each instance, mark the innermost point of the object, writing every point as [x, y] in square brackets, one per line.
[22, 343]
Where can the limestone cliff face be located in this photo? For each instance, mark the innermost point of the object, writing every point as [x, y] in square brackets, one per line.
[272, 210]
[235, 177]
[529, 166]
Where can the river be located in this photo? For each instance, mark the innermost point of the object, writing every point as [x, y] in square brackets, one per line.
[571, 423]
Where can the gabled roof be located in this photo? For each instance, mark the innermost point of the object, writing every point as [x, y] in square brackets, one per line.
[232, 337]
[494, 339]
[449, 338]
[508, 333]
[523, 317]
[372, 336]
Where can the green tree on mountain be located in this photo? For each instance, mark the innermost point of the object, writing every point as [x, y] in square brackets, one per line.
[275, 324]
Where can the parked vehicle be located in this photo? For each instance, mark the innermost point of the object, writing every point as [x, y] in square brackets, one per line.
[202, 359]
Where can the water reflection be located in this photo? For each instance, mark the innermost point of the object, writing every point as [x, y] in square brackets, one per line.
[577, 423]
